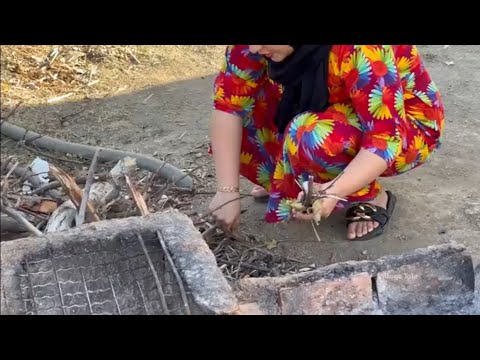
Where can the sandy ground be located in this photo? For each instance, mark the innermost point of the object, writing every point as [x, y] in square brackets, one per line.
[164, 110]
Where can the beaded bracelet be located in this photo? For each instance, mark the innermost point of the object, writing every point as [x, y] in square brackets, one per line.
[228, 189]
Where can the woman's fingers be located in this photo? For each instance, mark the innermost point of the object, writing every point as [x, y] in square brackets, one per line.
[223, 224]
[302, 216]
[300, 196]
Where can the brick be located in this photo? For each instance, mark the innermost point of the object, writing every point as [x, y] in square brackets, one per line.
[350, 295]
[265, 292]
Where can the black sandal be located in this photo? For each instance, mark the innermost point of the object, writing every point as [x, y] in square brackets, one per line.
[369, 212]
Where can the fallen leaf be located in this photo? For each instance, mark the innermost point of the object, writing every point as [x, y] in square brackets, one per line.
[271, 244]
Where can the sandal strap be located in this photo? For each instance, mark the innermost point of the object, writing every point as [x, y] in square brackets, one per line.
[367, 212]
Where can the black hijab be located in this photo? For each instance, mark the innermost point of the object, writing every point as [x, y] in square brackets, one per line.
[303, 76]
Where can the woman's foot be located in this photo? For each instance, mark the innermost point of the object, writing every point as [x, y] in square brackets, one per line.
[361, 228]
[259, 192]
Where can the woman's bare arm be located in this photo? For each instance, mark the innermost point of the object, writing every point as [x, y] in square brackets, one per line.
[226, 138]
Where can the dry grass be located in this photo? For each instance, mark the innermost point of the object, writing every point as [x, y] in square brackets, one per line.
[38, 74]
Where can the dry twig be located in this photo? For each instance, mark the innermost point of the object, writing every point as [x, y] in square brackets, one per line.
[86, 190]
[19, 218]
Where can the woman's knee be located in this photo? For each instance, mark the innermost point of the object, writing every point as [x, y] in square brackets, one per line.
[324, 133]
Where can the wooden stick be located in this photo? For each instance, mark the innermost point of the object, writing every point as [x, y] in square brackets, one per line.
[206, 234]
[315, 231]
[74, 192]
[5, 163]
[56, 184]
[175, 272]
[38, 152]
[5, 181]
[86, 190]
[246, 266]
[12, 112]
[155, 275]
[212, 211]
[19, 218]
[137, 197]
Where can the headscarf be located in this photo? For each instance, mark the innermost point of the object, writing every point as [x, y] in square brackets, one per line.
[303, 75]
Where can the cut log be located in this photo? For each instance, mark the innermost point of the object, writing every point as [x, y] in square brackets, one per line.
[63, 218]
[145, 162]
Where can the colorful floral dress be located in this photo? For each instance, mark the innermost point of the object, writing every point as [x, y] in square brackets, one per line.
[382, 99]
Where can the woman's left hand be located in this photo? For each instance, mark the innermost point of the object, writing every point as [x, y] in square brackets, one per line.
[326, 208]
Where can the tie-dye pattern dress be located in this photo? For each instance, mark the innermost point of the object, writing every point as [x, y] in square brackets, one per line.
[382, 99]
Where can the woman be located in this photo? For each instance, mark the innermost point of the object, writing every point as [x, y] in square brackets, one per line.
[290, 111]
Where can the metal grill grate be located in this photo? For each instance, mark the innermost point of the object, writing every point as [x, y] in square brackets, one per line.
[127, 274]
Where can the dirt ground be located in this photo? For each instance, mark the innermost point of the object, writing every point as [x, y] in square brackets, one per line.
[163, 108]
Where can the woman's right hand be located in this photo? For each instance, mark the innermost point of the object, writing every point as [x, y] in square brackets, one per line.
[227, 217]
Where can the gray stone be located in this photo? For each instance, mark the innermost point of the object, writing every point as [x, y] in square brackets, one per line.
[435, 279]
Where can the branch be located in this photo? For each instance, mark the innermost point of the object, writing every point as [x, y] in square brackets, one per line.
[86, 190]
[56, 184]
[212, 211]
[137, 197]
[20, 219]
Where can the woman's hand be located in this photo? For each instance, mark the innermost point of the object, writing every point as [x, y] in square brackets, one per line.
[324, 211]
[227, 217]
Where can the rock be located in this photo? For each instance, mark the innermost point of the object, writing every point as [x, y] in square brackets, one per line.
[435, 279]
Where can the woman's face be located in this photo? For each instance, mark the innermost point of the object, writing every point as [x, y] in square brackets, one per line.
[276, 53]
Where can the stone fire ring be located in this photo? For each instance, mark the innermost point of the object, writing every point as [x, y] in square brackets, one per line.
[160, 265]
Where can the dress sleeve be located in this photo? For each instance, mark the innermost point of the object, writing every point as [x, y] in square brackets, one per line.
[240, 78]
[374, 85]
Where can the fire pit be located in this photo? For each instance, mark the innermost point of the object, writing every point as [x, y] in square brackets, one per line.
[126, 266]
[160, 265]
